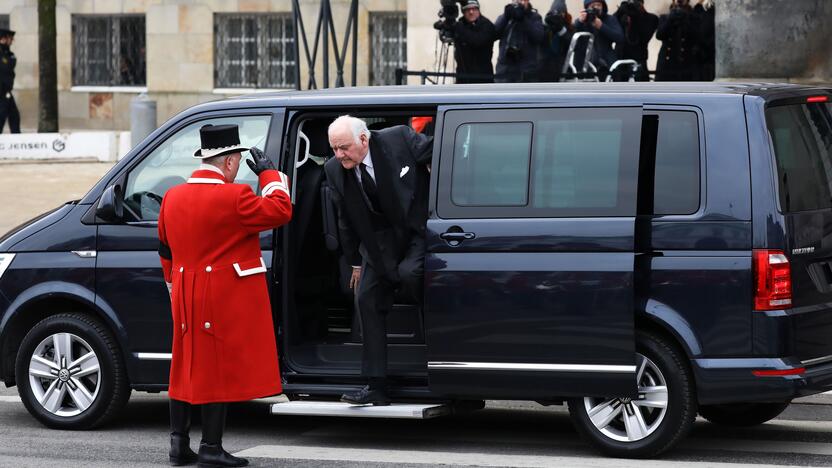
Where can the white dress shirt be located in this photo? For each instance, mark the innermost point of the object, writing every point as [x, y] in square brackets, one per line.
[368, 161]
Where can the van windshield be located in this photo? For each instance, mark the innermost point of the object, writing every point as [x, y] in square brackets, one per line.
[802, 138]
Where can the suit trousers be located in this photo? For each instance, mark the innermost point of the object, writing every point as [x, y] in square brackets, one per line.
[376, 296]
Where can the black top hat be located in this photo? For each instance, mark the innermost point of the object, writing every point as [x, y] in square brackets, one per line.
[218, 140]
[6, 32]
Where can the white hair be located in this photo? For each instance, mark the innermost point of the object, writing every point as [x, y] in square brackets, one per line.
[358, 126]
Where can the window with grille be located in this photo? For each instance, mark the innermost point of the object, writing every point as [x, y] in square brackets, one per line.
[4, 21]
[108, 50]
[389, 46]
[254, 51]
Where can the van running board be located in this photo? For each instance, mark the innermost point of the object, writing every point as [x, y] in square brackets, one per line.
[337, 408]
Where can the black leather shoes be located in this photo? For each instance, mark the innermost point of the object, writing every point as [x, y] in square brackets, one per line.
[367, 396]
[213, 455]
[180, 451]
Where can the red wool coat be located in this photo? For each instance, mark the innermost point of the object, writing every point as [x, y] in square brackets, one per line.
[223, 336]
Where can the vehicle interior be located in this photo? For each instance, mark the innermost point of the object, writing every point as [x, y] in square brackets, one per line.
[321, 331]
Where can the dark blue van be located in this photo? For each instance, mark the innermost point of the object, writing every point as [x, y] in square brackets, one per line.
[641, 252]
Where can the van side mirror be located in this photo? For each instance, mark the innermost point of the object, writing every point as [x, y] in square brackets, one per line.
[111, 206]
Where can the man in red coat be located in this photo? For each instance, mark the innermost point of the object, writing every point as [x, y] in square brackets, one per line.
[223, 336]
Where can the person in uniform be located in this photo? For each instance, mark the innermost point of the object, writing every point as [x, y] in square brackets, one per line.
[8, 108]
[379, 183]
[224, 346]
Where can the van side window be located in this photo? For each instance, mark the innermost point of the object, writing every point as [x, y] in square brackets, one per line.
[491, 164]
[172, 162]
[802, 138]
[576, 163]
[539, 162]
[677, 164]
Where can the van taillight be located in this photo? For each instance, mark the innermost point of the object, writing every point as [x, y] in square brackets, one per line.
[812, 99]
[772, 280]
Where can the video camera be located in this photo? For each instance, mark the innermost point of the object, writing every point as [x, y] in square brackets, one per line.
[447, 18]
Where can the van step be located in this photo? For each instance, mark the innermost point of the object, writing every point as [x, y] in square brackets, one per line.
[337, 408]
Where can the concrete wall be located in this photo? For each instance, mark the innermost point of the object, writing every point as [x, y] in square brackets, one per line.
[782, 40]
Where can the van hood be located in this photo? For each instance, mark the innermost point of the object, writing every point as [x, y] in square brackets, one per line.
[34, 225]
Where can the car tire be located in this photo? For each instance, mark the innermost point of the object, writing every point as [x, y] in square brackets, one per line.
[742, 414]
[666, 405]
[70, 373]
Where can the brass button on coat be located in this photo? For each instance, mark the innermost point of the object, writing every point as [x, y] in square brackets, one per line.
[207, 325]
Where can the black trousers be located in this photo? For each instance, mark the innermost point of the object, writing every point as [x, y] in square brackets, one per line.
[376, 296]
[8, 110]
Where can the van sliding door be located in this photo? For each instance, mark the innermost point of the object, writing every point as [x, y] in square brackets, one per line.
[529, 271]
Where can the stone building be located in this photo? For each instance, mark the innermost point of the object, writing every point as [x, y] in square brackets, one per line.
[182, 52]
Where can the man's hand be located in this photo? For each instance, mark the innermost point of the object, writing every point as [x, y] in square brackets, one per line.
[582, 16]
[259, 161]
[598, 23]
[355, 277]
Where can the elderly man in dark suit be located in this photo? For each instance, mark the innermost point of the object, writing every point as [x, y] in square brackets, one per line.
[379, 186]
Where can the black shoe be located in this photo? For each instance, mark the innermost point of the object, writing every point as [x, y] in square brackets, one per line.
[367, 396]
[213, 455]
[180, 451]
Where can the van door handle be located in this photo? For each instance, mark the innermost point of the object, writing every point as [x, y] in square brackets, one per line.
[455, 236]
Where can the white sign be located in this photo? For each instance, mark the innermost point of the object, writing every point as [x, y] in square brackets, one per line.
[103, 146]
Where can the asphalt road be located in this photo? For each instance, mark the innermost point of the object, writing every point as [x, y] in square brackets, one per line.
[504, 434]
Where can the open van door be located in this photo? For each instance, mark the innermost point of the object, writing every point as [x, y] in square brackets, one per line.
[530, 251]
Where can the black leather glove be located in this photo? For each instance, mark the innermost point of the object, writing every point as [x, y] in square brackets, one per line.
[258, 162]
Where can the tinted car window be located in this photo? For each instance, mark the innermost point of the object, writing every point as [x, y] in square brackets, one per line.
[491, 164]
[172, 162]
[802, 138]
[541, 163]
[677, 164]
[576, 163]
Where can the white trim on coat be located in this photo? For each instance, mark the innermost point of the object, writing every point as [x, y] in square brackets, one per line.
[201, 180]
[250, 271]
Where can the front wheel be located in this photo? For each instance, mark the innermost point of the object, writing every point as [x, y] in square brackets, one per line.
[742, 414]
[653, 422]
[70, 374]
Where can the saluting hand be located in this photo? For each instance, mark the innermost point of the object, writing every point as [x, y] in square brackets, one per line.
[258, 162]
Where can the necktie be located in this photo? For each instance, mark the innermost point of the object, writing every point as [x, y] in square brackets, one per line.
[369, 186]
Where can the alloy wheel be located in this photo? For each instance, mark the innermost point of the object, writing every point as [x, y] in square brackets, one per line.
[631, 420]
[64, 374]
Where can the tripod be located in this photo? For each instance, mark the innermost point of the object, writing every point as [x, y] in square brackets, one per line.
[442, 52]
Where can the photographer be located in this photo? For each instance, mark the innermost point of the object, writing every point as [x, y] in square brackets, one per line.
[639, 27]
[474, 37]
[607, 31]
[557, 34]
[520, 29]
[681, 49]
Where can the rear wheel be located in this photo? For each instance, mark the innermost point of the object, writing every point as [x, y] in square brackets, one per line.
[654, 421]
[742, 414]
[70, 374]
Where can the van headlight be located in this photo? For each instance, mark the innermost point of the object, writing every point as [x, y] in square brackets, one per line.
[5, 261]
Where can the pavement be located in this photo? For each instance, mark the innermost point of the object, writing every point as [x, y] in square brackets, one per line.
[515, 434]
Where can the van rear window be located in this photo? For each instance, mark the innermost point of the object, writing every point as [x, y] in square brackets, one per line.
[802, 139]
